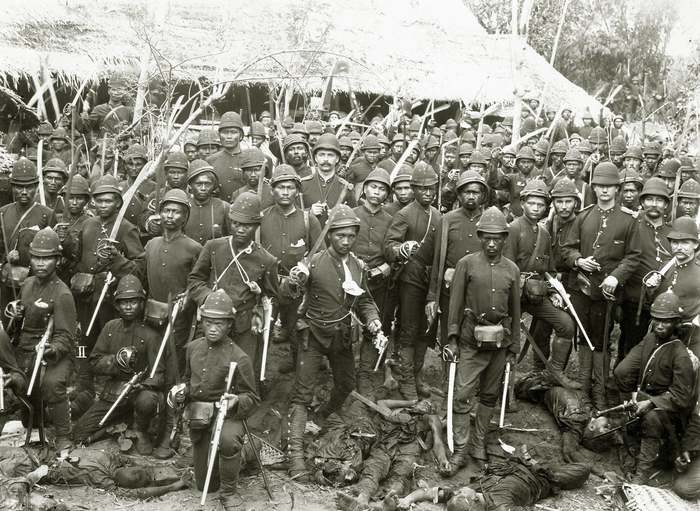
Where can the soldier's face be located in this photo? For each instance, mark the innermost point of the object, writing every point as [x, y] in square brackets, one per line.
[215, 329]
[206, 150]
[424, 195]
[106, 204]
[557, 160]
[492, 244]
[371, 155]
[685, 175]
[688, 207]
[130, 309]
[632, 164]
[266, 121]
[471, 196]
[326, 160]
[383, 151]
[376, 193]
[670, 183]
[630, 195]
[53, 181]
[430, 154]
[242, 233]
[296, 154]
[257, 140]
[345, 153]
[230, 137]
[173, 215]
[403, 192]
[574, 142]
[663, 328]
[450, 159]
[413, 156]
[572, 169]
[190, 152]
[77, 203]
[176, 177]
[564, 206]
[202, 186]
[313, 138]
[480, 168]
[599, 147]
[683, 250]
[616, 157]
[285, 193]
[43, 267]
[397, 149]
[617, 123]
[58, 144]
[534, 208]
[134, 166]
[651, 160]
[605, 193]
[654, 205]
[525, 165]
[508, 160]
[343, 239]
[24, 194]
[252, 175]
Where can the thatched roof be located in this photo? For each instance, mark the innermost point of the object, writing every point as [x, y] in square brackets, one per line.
[415, 48]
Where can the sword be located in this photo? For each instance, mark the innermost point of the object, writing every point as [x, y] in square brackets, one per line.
[450, 358]
[2, 390]
[559, 288]
[267, 321]
[504, 397]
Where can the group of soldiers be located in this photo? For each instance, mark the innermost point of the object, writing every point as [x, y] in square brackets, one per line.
[379, 244]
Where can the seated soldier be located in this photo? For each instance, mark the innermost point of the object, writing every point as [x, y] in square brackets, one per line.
[13, 381]
[660, 372]
[125, 348]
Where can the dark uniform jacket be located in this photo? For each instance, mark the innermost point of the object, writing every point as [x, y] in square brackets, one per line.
[369, 244]
[9, 365]
[529, 245]
[655, 253]
[227, 167]
[314, 189]
[208, 220]
[513, 182]
[20, 234]
[265, 199]
[684, 281]
[288, 237]
[168, 263]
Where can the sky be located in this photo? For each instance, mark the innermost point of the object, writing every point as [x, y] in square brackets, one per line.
[687, 28]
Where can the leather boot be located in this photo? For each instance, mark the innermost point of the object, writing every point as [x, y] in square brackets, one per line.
[421, 387]
[646, 459]
[59, 414]
[405, 374]
[557, 363]
[164, 451]
[229, 468]
[478, 439]
[295, 442]
[143, 443]
[459, 457]
[600, 367]
[585, 368]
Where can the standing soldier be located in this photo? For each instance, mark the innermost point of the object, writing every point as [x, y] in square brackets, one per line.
[14, 383]
[288, 233]
[652, 157]
[208, 361]
[633, 158]
[514, 182]
[322, 189]
[556, 157]
[175, 170]
[401, 190]
[55, 176]
[253, 164]
[409, 247]
[603, 248]
[361, 167]
[44, 298]
[483, 334]
[456, 237]
[369, 248]
[336, 289]
[20, 220]
[135, 159]
[296, 153]
[689, 200]
[208, 143]
[226, 162]
[655, 252]
[573, 165]
[208, 214]
[76, 197]
[125, 347]
[632, 184]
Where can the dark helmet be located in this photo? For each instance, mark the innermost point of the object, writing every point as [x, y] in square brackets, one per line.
[631, 176]
[342, 216]
[379, 175]
[573, 154]
[655, 186]
[666, 306]
[618, 145]
[24, 173]
[535, 188]
[78, 186]
[217, 305]
[246, 209]
[136, 151]
[423, 175]
[683, 228]
[525, 153]
[329, 142]
[106, 184]
[477, 158]
[231, 120]
[370, 142]
[669, 168]
[45, 243]
[492, 221]
[471, 176]
[208, 137]
[56, 165]
[690, 189]
[564, 187]
[634, 152]
[295, 138]
[597, 136]
[466, 149]
[405, 174]
[198, 167]
[559, 147]
[178, 196]
[176, 159]
[606, 173]
[542, 146]
[257, 130]
[652, 148]
[284, 172]
[252, 158]
[129, 287]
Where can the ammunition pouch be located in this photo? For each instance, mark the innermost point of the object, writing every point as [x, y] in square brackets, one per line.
[489, 336]
[82, 284]
[584, 284]
[535, 290]
[13, 275]
[199, 414]
[156, 313]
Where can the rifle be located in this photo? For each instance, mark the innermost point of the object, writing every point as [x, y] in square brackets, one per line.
[2, 390]
[7, 256]
[609, 304]
[127, 388]
[257, 458]
[216, 437]
[504, 397]
[380, 342]
[39, 360]
[267, 322]
[40, 171]
[627, 406]
[166, 336]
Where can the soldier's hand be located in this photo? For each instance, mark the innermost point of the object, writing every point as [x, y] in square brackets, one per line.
[177, 393]
[588, 264]
[450, 351]
[453, 174]
[62, 231]
[595, 157]
[256, 324]
[681, 462]
[653, 281]
[449, 275]
[408, 248]
[13, 256]
[50, 353]
[609, 285]
[231, 401]
[510, 358]
[153, 225]
[14, 310]
[299, 274]
[318, 208]
[374, 327]
[431, 311]
[125, 359]
[557, 300]
[644, 407]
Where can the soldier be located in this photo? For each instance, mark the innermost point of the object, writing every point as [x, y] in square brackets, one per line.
[514, 182]
[315, 130]
[322, 189]
[687, 170]
[336, 288]
[369, 248]
[633, 158]
[175, 170]
[45, 296]
[477, 163]
[55, 176]
[76, 197]
[296, 153]
[253, 164]
[288, 233]
[483, 334]
[208, 214]
[361, 167]
[242, 268]
[632, 184]
[655, 252]
[401, 190]
[652, 157]
[384, 146]
[457, 237]
[21, 220]
[190, 150]
[668, 170]
[208, 143]
[689, 199]
[125, 347]
[573, 165]
[208, 360]
[136, 159]
[618, 147]
[345, 152]
[226, 162]
[105, 117]
[603, 248]
[60, 146]
[556, 158]
[660, 371]
[14, 382]
[408, 245]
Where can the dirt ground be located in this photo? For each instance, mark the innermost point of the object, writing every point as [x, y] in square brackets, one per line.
[543, 443]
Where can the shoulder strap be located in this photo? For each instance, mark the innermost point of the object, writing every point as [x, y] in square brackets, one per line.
[538, 243]
[443, 253]
[21, 219]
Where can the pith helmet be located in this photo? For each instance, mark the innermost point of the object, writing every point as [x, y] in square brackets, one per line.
[618, 145]
[246, 209]
[378, 175]
[683, 228]
[655, 186]
[129, 287]
[597, 136]
[564, 187]
[217, 305]
[257, 130]
[573, 154]
[136, 151]
[492, 221]
[78, 186]
[231, 120]
[525, 153]
[329, 142]
[423, 175]
[45, 243]
[106, 184]
[669, 168]
[535, 188]
[56, 165]
[634, 152]
[24, 172]
[198, 167]
[342, 216]
[631, 176]
[284, 172]
[559, 147]
[471, 176]
[208, 137]
[404, 174]
[666, 306]
[295, 138]
[178, 196]
[176, 159]
[690, 189]
[252, 158]
[606, 173]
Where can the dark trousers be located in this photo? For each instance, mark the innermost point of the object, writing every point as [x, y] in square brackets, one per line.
[230, 443]
[394, 464]
[478, 371]
[631, 333]
[52, 380]
[412, 300]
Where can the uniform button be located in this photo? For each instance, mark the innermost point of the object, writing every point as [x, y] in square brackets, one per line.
[165, 250]
[163, 264]
[493, 290]
[469, 235]
[493, 308]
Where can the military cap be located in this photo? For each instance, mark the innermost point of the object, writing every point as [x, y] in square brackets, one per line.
[56, 165]
[491, 139]
[597, 135]
[136, 151]
[198, 167]
[687, 164]
[508, 122]
[690, 189]
[178, 196]
[492, 221]
[24, 172]
[45, 243]
[345, 142]
[176, 159]
[683, 228]
[129, 286]
[379, 175]
[618, 145]
[370, 142]
[669, 168]
[559, 147]
[606, 173]
[284, 172]
[509, 150]
[187, 142]
[264, 114]
[468, 136]
[382, 139]
[288, 123]
[573, 154]
[404, 174]
[432, 143]
[342, 216]
[329, 142]
[525, 153]
[575, 136]
[466, 149]
[666, 306]
[652, 148]
[354, 136]
[414, 125]
[252, 158]
[564, 187]
[631, 176]
[655, 186]
[217, 305]
[314, 127]
[423, 175]
[469, 177]
[246, 209]
[541, 146]
[31, 153]
[257, 130]
[295, 138]
[535, 188]
[106, 184]
[299, 129]
[584, 147]
[231, 120]
[398, 138]
[436, 132]
[633, 152]
[45, 128]
[450, 124]
[208, 137]
[477, 158]
[60, 134]
[78, 186]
